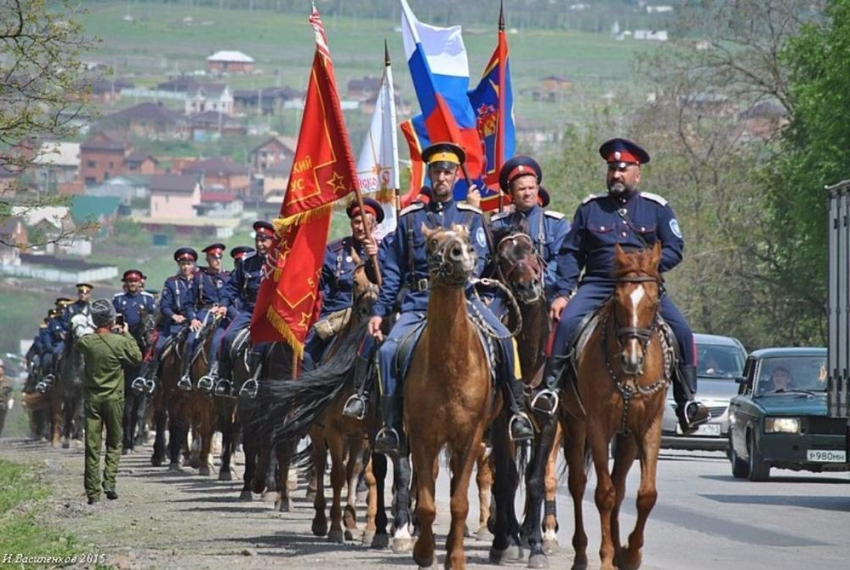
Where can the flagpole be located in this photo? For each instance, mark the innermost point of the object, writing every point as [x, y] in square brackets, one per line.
[388, 74]
[500, 126]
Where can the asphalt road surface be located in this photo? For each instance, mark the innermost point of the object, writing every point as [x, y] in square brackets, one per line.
[704, 519]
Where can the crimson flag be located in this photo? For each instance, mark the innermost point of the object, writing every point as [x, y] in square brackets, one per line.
[323, 171]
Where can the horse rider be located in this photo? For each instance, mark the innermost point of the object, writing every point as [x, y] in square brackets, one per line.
[337, 282]
[239, 295]
[174, 301]
[134, 303]
[56, 337]
[82, 306]
[520, 178]
[634, 220]
[406, 263]
[204, 296]
[238, 252]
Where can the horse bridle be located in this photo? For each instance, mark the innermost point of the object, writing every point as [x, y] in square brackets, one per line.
[640, 333]
[443, 269]
[538, 269]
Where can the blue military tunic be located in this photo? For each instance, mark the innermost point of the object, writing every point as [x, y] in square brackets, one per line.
[174, 300]
[133, 307]
[601, 222]
[54, 342]
[547, 230]
[72, 310]
[337, 281]
[241, 291]
[204, 294]
[404, 262]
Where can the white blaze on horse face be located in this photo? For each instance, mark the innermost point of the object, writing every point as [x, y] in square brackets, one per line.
[636, 296]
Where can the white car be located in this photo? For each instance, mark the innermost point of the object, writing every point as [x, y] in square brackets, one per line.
[720, 360]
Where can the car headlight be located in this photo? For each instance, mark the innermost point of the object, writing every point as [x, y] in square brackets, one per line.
[781, 425]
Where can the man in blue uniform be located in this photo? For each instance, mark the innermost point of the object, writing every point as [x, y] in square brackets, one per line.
[238, 297]
[238, 252]
[82, 306]
[337, 282]
[634, 220]
[56, 335]
[204, 296]
[520, 178]
[174, 301]
[133, 304]
[405, 263]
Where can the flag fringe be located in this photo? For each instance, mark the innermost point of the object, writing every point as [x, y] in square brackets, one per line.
[281, 224]
[282, 327]
[384, 196]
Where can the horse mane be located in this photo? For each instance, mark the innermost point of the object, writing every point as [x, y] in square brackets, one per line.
[639, 261]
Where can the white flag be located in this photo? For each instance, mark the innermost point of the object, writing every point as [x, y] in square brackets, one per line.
[377, 167]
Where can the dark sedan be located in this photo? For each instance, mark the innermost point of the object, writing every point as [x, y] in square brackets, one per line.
[779, 419]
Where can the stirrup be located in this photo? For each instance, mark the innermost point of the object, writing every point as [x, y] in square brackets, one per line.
[351, 401]
[223, 389]
[383, 436]
[520, 416]
[206, 383]
[696, 413]
[150, 384]
[546, 394]
[41, 387]
[249, 389]
[139, 385]
[185, 383]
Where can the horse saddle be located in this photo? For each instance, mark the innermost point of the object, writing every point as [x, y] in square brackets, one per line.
[406, 346]
[242, 339]
[173, 343]
[591, 321]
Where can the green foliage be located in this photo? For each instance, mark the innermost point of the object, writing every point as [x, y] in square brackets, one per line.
[22, 496]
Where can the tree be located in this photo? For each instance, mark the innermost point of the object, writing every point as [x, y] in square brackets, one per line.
[43, 85]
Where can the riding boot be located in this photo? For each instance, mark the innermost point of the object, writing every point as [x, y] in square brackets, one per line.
[185, 382]
[390, 439]
[546, 399]
[690, 413]
[251, 386]
[355, 406]
[520, 427]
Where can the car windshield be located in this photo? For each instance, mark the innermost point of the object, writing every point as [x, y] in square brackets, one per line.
[716, 361]
[792, 373]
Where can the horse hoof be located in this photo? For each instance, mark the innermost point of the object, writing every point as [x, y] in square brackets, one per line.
[510, 554]
[246, 495]
[195, 463]
[551, 546]
[381, 541]
[484, 535]
[204, 471]
[283, 506]
[225, 475]
[311, 495]
[402, 545]
[580, 563]
[538, 561]
[367, 538]
[336, 536]
[66, 445]
[629, 560]
[320, 528]
[349, 535]
[426, 563]
[174, 467]
[156, 461]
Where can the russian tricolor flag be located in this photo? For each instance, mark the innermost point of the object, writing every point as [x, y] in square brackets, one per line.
[440, 72]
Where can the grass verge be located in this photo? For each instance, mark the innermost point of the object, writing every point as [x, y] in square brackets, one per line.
[23, 497]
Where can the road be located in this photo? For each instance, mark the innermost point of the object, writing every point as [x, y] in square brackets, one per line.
[704, 519]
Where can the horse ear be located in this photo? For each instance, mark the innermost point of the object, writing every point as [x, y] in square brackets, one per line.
[656, 254]
[462, 230]
[355, 257]
[426, 232]
[619, 255]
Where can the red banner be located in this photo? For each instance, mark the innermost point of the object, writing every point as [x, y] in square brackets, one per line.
[323, 171]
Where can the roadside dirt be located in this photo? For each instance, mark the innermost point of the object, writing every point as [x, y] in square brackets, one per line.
[182, 520]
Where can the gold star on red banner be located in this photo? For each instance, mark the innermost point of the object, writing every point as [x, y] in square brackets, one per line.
[304, 323]
[336, 182]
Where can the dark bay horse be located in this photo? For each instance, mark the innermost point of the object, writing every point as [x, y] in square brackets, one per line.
[620, 388]
[136, 392]
[449, 401]
[70, 367]
[169, 405]
[521, 268]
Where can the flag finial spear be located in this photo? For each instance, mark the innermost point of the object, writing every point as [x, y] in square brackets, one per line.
[387, 61]
[502, 16]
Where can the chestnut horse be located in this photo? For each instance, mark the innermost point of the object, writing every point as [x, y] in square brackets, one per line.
[169, 405]
[519, 266]
[621, 385]
[449, 400]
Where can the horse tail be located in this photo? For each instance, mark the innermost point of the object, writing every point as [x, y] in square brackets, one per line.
[293, 407]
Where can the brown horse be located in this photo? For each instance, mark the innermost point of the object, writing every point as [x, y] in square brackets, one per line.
[621, 386]
[519, 266]
[449, 399]
[169, 406]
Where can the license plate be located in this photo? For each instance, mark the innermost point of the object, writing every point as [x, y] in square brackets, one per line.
[826, 456]
[712, 430]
